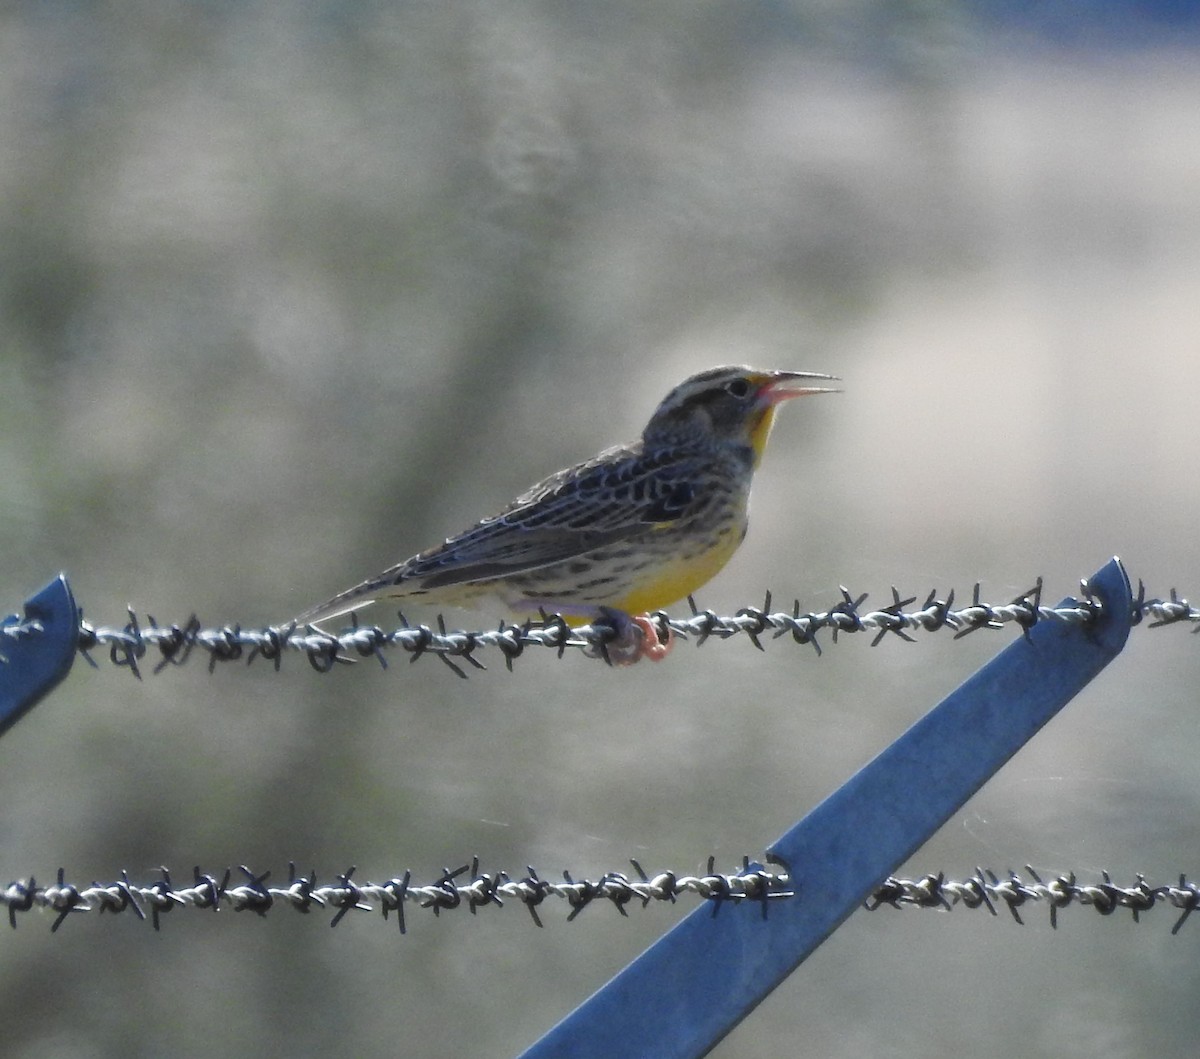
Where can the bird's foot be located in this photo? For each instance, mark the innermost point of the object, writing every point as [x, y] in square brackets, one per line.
[653, 647]
[637, 638]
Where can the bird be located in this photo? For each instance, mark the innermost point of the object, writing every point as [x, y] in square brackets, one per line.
[633, 529]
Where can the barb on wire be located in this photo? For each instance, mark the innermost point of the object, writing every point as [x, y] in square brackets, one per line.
[130, 645]
[462, 887]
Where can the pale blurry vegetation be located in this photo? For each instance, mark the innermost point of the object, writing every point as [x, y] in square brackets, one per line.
[290, 291]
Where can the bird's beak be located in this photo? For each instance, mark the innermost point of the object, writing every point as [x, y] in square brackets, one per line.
[782, 386]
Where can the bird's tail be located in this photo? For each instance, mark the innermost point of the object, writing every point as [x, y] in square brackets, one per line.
[361, 595]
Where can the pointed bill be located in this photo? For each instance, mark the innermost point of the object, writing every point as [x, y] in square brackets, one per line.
[784, 385]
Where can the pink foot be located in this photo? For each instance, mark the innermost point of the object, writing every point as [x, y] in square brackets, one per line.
[651, 646]
[637, 638]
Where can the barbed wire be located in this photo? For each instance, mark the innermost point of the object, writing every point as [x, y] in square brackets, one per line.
[462, 887]
[466, 887]
[985, 890]
[128, 646]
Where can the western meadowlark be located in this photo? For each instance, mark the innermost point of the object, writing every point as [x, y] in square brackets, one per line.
[629, 531]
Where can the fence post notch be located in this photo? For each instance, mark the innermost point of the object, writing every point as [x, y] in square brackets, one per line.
[36, 652]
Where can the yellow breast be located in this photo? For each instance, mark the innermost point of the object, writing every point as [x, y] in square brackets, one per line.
[677, 576]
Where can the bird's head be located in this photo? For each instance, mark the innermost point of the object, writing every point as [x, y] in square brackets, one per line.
[731, 406]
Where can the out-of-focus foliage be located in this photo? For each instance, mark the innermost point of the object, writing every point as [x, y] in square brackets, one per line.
[288, 292]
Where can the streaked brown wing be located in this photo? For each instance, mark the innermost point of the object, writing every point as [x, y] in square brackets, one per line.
[610, 499]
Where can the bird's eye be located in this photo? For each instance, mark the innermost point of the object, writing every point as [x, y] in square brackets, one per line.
[738, 388]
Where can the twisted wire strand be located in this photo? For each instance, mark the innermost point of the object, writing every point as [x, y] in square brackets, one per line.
[466, 887]
[128, 646]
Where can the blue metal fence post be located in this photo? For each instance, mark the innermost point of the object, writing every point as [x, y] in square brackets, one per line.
[36, 652]
[689, 989]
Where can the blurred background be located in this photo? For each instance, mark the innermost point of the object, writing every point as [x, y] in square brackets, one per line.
[290, 291]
